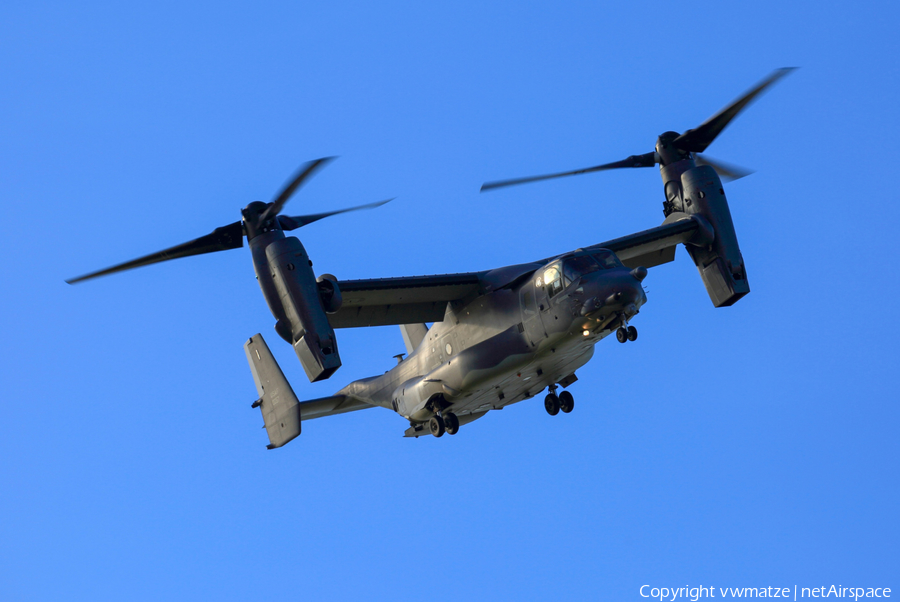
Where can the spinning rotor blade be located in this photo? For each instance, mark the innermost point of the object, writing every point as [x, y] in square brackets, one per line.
[298, 221]
[728, 172]
[698, 139]
[645, 160]
[695, 141]
[299, 178]
[221, 239]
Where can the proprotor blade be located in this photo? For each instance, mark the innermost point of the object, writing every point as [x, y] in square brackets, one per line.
[645, 160]
[220, 239]
[291, 187]
[298, 221]
[728, 172]
[698, 139]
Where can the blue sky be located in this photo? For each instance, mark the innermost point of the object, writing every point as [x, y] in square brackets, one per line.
[749, 446]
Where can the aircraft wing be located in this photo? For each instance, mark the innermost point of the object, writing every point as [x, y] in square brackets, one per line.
[410, 300]
[657, 245]
[418, 299]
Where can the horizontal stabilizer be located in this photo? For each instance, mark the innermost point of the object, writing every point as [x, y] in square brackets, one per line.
[329, 406]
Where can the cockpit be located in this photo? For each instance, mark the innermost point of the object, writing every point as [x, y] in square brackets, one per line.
[559, 275]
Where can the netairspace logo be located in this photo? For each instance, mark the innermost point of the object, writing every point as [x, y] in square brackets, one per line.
[672, 594]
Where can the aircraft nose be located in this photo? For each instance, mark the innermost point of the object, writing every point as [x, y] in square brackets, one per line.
[628, 284]
[616, 292]
[626, 288]
[625, 294]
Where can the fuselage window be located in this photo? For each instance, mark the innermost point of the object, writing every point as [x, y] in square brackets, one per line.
[553, 280]
[528, 303]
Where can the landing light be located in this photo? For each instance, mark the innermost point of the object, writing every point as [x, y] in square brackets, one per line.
[586, 333]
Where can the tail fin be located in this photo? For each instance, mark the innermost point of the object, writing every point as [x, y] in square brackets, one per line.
[277, 401]
[280, 409]
[413, 335]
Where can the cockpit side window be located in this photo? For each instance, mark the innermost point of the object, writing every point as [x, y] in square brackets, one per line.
[576, 267]
[607, 259]
[553, 279]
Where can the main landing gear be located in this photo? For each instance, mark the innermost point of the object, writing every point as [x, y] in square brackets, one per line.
[446, 423]
[553, 403]
[436, 426]
[452, 423]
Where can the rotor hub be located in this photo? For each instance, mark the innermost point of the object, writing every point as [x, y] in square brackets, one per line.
[255, 220]
[254, 210]
[667, 151]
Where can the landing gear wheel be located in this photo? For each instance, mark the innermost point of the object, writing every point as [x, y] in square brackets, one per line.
[566, 402]
[621, 335]
[551, 404]
[436, 425]
[451, 423]
[632, 333]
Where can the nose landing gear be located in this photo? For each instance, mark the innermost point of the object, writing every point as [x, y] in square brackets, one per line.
[624, 332]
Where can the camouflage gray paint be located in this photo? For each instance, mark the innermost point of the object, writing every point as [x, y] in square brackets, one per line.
[499, 336]
[483, 357]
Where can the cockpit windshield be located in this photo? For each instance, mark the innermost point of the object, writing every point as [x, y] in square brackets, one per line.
[556, 277]
[607, 259]
[576, 267]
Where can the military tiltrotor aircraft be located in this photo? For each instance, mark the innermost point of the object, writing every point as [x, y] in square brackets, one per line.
[498, 336]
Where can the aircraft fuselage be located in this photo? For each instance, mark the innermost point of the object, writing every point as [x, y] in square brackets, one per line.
[510, 344]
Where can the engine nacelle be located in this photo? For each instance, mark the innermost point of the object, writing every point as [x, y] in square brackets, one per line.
[720, 263]
[311, 334]
[329, 293]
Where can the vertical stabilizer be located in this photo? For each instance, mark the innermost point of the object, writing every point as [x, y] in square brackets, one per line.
[413, 335]
[279, 406]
